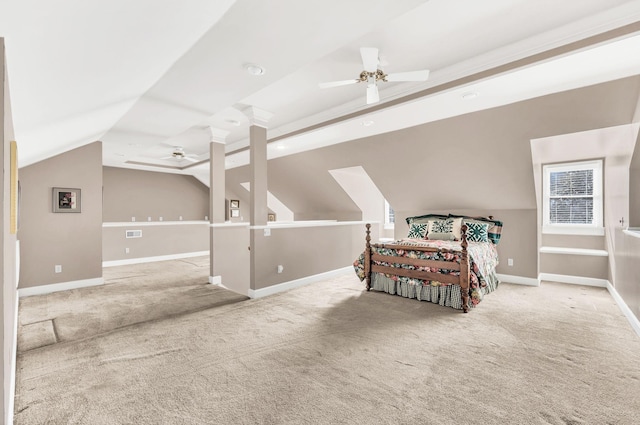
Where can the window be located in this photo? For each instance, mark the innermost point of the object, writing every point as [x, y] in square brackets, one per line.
[572, 198]
[389, 216]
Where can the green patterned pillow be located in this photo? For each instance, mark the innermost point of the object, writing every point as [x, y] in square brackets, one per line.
[441, 226]
[477, 232]
[417, 230]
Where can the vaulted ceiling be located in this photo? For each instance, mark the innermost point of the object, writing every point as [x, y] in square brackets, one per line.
[144, 76]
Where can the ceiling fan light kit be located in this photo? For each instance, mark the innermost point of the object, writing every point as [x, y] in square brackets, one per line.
[179, 154]
[372, 74]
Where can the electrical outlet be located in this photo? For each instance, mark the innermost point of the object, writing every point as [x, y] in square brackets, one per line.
[58, 268]
[280, 268]
[126, 250]
[267, 232]
[510, 262]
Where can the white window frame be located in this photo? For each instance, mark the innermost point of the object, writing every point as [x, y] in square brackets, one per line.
[595, 228]
[387, 223]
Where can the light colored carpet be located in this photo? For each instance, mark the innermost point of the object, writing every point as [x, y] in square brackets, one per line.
[331, 353]
[131, 294]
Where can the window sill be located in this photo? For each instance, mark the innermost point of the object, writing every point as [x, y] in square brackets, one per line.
[573, 251]
[569, 230]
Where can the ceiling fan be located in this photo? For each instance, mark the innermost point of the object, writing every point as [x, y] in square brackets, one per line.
[179, 154]
[372, 74]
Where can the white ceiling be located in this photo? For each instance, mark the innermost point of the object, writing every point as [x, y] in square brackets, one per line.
[145, 75]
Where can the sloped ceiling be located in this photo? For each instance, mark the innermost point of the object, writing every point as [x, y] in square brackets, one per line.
[480, 160]
[145, 75]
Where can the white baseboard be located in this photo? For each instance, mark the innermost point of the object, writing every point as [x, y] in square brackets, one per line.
[574, 280]
[140, 260]
[519, 280]
[56, 287]
[280, 287]
[217, 281]
[633, 320]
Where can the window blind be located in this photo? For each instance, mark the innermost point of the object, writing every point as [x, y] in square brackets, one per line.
[571, 197]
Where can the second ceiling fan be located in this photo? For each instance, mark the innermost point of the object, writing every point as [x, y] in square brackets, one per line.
[372, 74]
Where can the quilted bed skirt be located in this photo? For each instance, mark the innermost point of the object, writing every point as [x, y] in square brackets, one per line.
[445, 295]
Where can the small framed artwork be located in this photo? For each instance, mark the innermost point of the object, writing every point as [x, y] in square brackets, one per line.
[234, 203]
[66, 200]
[235, 213]
[271, 217]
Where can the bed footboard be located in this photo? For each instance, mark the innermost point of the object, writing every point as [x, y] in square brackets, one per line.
[462, 280]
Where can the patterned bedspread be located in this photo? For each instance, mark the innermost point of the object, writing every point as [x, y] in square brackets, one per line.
[483, 259]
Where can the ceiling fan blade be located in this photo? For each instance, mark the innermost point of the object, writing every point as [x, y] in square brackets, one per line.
[337, 83]
[167, 157]
[372, 95]
[189, 159]
[369, 58]
[409, 76]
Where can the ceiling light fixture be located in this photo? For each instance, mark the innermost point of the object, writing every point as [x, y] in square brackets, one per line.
[368, 123]
[254, 69]
[234, 122]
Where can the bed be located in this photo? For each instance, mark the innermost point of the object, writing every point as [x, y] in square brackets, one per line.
[445, 259]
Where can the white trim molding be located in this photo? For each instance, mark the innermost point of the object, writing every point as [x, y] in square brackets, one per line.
[519, 280]
[216, 280]
[152, 223]
[574, 280]
[633, 320]
[141, 260]
[573, 251]
[635, 232]
[280, 287]
[56, 287]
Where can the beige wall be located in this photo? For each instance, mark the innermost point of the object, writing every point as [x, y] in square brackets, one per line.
[231, 256]
[634, 187]
[72, 240]
[142, 194]
[627, 258]
[588, 266]
[170, 238]
[306, 251]
[8, 295]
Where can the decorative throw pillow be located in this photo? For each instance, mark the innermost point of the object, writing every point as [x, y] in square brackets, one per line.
[456, 228]
[417, 230]
[477, 232]
[441, 226]
[434, 236]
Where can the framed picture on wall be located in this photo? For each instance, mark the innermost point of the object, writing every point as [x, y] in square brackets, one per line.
[234, 203]
[235, 213]
[66, 200]
[271, 217]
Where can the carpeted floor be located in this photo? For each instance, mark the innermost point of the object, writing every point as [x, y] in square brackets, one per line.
[131, 294]
[331, 353]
